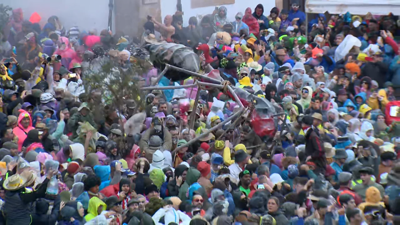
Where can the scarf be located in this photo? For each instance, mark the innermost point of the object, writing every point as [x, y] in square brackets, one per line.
[5, 76]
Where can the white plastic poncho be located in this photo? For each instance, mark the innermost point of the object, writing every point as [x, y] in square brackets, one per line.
[347, 44]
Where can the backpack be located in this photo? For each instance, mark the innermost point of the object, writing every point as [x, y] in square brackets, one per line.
[164, 190]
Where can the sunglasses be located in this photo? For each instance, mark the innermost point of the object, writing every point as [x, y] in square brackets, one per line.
[238, 18]
[295, 6]
[198, 200]
[305, 91]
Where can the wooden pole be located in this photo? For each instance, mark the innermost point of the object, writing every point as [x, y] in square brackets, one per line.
[161, 75]
[210, 84]
[168, 87]
[234, 125]
[194, 74]
[209, 131]
[192, 117]
[235, 97]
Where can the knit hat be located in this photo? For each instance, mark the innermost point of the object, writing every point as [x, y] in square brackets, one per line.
[72, 167]
[181, 142]
[205, 146]
[31, 156]
[155, 141]
[204, 168]
[293, 171]
[216, 159]
[10, 145]
[240, 156]
[345, 177]
[372, 195]
[12, 120]
[240, 147]
[150, 188]
[354, 68]
[219, 145]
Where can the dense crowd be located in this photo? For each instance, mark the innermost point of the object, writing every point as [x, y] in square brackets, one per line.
[313, 137]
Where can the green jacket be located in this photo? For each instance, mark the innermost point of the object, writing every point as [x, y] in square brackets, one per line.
[360, 189]
[73, 123]
[192, 176]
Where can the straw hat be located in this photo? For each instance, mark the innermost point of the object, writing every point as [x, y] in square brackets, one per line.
[317, 116]
[254, 65]
[30, 178]
[208, 137]
[14, 182]
[329, 150]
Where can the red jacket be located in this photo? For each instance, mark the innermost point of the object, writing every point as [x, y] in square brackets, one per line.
[110, 190]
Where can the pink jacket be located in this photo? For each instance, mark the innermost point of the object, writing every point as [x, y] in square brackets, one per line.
[20, 131]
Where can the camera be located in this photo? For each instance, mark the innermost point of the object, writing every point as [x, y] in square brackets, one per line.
[57, 59]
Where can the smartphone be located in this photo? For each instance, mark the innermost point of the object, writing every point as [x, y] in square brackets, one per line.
[260, 186]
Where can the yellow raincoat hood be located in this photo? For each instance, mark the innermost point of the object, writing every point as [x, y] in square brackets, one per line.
[94, 204]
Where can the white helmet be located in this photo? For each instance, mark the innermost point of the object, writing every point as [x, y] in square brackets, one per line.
[46, 97]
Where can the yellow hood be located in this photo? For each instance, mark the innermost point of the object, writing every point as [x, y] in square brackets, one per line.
[94, 204]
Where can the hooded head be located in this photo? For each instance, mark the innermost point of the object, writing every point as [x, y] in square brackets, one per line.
[192, 176]
[259, 11]
[224, 10]
[158, 159]
[23, 122]
[103, 172]
[367, 131]
[158, 177]
[372, 195]
[93, 209]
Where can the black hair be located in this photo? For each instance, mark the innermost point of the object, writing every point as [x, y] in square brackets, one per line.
[316, 98]
[284, 92]
[265, 155]
[224, 170]
[54, 36]
[91, 181]
[252, 167]
[364, 144]
[350, 213]
[344, 199]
